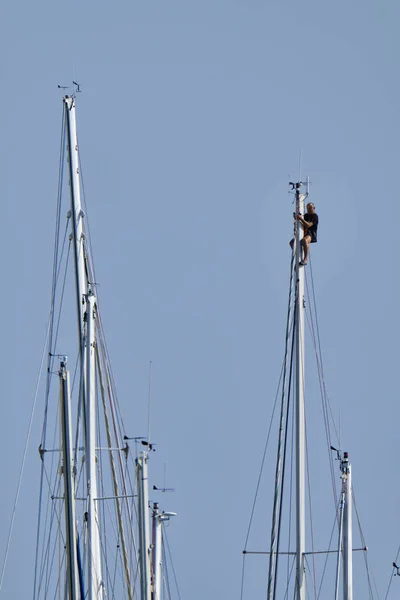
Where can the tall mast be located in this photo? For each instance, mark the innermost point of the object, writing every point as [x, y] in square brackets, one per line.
[95, 583]
[300, 421]
[86, 312]
[69, 478]
[340, 542]
[157, 552]
[76, 210]
[347, 529]
[144, 526]
[158, 520]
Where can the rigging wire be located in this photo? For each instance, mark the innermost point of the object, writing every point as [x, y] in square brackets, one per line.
[312, 572]
[46, 573]
[56, 262]
[324, 411]
[242, 578]
[53, 340]
[21, 472]
[51, 320]
[314, 330]
[263, 461]
[281, 450]
[288, 569]
[112, 397]
[116, 415]
[167, 586]
[172, 563]
[149, 404]
[289, 577]
[284, 452]
[53, 350]
[327, 554]
[259, 477]
[327, 408]
[51, 511]
[114, 480]
[281, 377]
[391, 575]
[261, 471]
[93, 279]
[365, 553]
[318, 338]
[43, 572]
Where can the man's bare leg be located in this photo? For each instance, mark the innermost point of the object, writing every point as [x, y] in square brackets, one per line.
[305, 243]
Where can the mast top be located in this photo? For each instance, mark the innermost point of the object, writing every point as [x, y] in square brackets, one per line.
[69, 101]
[296, 187]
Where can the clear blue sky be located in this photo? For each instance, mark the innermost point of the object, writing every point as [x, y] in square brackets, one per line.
[191, 120]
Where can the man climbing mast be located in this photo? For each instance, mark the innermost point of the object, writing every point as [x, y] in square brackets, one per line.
[310, 224]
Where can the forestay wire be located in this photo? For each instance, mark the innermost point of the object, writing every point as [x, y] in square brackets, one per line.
[282, 380]
[312, 319]
[57, 261]
[47, 343]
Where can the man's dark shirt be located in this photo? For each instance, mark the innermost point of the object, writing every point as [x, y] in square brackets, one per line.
[311, 231]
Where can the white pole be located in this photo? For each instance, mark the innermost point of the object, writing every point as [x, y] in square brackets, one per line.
[347, 530]
[86, 304]
[340, 542]
[300, 425]
[157, 553]
[158, 520]
[144, 527]
[95, 582]
[69, 488]
[76, 209]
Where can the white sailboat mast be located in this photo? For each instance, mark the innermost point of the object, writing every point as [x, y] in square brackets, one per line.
[158, 520]
[157, 552]
[86, 310]
[69, 487]
[144, 526]
[347, 529]
[95, 583]
[76, 210]
[300, 420]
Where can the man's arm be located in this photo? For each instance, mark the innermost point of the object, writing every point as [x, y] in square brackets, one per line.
[306, 224]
